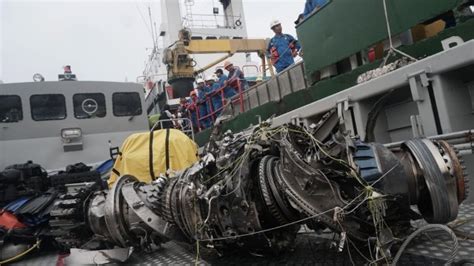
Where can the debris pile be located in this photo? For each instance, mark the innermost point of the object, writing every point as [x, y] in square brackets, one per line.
[254, 190]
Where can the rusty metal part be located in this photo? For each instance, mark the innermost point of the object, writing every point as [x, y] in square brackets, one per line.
[455, 167]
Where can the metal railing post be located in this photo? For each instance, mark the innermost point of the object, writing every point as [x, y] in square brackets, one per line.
[198, 115]
[188, 132]
[209, 102]
[241, 98]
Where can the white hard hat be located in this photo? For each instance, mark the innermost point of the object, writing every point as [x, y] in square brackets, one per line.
[211, 77]
[199, 80]
[227, 63]
[274, 23]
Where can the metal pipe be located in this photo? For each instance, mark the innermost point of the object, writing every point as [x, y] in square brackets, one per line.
[466, 134]
[213, 63]
[456, 141]
[460, 137]
[465, 146]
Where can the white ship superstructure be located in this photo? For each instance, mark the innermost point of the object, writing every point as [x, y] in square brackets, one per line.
[224, 19]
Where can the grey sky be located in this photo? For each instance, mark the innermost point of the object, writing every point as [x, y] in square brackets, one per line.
[101, 40]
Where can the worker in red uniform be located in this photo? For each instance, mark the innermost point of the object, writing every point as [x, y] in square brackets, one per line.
[282, 48]
[191, 108]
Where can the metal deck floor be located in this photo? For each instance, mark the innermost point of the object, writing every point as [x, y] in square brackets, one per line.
[310, 249]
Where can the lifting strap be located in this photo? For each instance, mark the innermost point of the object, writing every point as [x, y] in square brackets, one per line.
[167, 150]
[150, 161]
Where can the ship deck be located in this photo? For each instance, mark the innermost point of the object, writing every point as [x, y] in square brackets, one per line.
[432, 248]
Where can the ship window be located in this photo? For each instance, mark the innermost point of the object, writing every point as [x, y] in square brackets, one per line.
[10, 109]
[89, 105]
[126, 104]
[48, 107]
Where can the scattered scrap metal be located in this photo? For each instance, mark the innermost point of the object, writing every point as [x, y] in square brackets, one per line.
[384, 69]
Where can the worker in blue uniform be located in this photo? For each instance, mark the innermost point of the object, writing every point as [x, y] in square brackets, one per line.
[202, 92]
[282, 48]
[313, 5]
[216, 95]
[228, 91]
[221, 77]
[234, 75]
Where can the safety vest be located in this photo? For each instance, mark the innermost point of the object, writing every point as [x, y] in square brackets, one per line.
[274, 55]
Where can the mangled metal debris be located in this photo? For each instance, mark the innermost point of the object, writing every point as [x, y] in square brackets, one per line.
[255, 189]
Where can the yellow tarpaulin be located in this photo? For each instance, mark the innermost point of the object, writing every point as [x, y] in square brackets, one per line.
[137, 148]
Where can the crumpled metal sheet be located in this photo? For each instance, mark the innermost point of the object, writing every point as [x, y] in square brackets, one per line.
[82, 256]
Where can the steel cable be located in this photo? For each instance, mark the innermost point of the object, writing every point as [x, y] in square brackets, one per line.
[454, 248]
[284, 225]
[389, 30]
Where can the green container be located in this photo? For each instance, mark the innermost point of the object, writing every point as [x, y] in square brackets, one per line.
[344, 27]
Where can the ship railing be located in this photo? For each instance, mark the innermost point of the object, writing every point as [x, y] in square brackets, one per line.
[212, 113]
[183, 124]
[286, 82]
[274, 89]
[212, 21]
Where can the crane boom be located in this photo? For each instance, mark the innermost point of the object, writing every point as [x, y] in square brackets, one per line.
[181, 66]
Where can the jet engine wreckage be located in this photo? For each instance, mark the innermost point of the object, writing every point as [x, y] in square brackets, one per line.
[254, 190]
